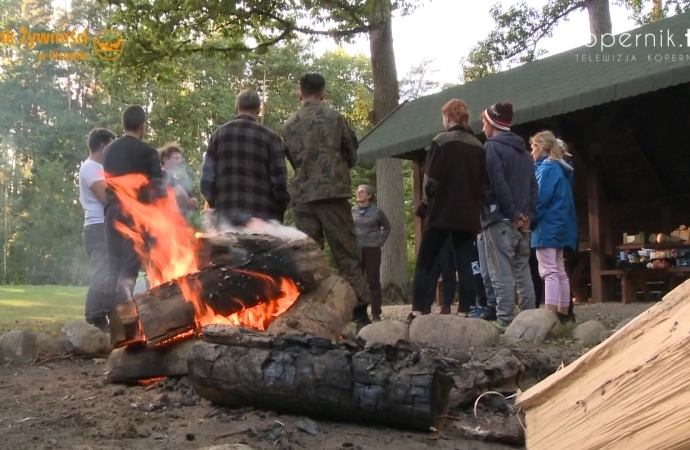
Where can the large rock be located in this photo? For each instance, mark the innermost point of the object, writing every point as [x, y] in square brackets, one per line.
[80, 338]
[531, 325]
[590, 333]
[26, 346]
[386, 332]
[453, 331]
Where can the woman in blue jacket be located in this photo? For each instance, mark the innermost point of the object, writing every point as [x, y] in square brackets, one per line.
[554, 225]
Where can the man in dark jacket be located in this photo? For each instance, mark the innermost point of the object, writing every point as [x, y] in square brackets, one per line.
[244, 171]
[126, 155]
[509, 202]
[454, 177]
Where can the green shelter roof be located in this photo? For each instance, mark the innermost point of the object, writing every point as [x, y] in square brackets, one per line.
[577, 79]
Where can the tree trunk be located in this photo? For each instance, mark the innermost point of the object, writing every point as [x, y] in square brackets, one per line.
[599, 19]
[658, 10]
[395, 275]
[389, 385]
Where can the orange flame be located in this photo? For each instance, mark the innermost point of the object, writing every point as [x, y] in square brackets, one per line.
[169, 251]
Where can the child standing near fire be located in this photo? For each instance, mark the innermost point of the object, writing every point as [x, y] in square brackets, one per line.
[554, 225]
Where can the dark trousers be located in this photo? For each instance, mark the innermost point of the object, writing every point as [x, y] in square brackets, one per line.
[332, 219]
[444, 265]
[371, 267]
[122, 261]
[536, 278]
[93, 237]
[432, 243]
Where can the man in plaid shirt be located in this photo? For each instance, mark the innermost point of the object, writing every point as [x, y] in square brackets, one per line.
[244, 171]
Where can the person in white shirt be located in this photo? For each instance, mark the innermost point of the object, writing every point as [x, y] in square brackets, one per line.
[92, 198]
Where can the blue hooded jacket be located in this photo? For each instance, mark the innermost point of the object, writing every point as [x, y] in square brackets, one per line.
[554, 224]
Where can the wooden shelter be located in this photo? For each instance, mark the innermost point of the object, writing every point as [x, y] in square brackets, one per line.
[622, 110]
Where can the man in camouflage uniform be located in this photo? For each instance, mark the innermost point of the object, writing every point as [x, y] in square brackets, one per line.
[322, 148]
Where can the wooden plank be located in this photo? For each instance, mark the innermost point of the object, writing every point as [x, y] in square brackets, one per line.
[596, 253]
[630, 391]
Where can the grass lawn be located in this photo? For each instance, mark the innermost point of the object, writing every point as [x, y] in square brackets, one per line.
[40, 308]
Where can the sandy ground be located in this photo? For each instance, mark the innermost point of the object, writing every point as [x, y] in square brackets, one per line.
[64, 404]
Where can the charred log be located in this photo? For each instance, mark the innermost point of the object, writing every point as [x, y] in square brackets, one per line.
[163, 312]
[390, 385]
[298, 259]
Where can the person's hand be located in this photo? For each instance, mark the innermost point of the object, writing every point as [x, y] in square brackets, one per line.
[526, 223]
[519, 222]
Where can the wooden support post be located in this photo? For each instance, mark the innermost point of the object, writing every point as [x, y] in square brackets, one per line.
[666, 219]
[596, 236]
[418, 181]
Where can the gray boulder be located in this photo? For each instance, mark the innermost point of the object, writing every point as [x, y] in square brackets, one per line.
[83, 339]
[453, 331]
[26, 346]
[386, 332]
[590, 333]
[531, 325]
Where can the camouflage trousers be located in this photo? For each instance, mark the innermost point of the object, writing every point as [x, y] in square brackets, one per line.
[333, 218]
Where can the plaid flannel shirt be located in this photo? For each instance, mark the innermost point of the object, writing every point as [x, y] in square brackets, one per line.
[244, 171]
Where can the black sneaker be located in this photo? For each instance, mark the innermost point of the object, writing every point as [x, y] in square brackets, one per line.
[566, 318]
[489, 314]
[376, 318]
[360, 316]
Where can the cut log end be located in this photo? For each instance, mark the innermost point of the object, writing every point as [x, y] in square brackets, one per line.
[137, 362]
[393, 385]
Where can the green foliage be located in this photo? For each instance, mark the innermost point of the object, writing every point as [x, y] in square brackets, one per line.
[49, 107]
[161, 30]
[643, 12]
[519, 29]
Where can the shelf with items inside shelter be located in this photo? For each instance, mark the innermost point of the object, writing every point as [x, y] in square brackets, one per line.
[660, 251]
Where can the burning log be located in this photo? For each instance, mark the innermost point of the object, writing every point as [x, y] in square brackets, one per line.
[240, 272]
[164, 312]
[299, 259]
[133, 363]
[396, 385]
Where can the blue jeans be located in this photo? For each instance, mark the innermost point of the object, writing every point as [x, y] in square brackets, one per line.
[484, 268]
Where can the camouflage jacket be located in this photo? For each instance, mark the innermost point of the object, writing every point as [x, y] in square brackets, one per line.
[322, 148]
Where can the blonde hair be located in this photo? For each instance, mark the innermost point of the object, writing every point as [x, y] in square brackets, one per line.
[547, 141]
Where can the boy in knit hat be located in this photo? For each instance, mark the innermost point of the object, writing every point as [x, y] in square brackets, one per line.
[509, 202]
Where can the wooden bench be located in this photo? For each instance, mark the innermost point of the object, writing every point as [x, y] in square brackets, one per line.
[636, 279]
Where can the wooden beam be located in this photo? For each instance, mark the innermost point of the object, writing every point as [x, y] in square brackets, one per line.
[417, 182]
[596, 236]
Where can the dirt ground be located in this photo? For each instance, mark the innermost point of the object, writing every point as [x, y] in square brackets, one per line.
[64, 404]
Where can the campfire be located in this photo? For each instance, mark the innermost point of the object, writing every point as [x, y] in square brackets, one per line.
[253, 316]
[188, 292]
